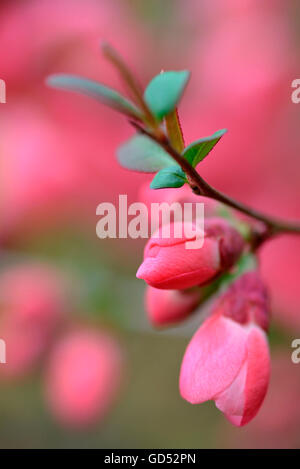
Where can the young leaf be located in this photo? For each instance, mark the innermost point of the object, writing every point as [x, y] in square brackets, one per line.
[96, 90]
[173, 176]
[164, 92]
[199, 149]
[140, 153]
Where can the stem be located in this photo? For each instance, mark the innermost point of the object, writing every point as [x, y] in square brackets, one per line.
[133, 85]
[199, 186]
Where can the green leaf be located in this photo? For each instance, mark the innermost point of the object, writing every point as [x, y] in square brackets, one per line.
[199, 149]
[95, 90]
[164, 92]
[140, 153]
[172, 176]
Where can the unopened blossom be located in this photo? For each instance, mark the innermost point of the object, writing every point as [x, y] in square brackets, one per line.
[83, 377]
[169, 264]
[165, 307]
[228, 358]
[32, 308]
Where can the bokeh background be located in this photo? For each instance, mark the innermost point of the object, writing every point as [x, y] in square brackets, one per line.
[57, 159]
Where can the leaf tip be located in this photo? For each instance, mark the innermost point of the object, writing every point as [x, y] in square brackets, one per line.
[52, 80]
[153, 186]
[60, 80]
[165, 90]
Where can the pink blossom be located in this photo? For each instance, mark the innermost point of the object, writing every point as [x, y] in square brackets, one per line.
[60, 32]
[168, 264]
[228, 359]
[277, 423]
[32, 305]
[251, 42]
[83, 377]
[165, 307]
[52, 154]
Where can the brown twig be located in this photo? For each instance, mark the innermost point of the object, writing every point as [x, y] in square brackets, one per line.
[199, 186]
[129, 79]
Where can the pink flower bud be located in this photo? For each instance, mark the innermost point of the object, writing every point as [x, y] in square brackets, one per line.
[247, 300]
[228, 359]
[32, 307]
[83, 377]
[165, 307]
[32, 293]
[168, 264]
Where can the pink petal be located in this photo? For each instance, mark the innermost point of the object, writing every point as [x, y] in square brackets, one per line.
[169, 265]
[212, 359]
[242, 400]
[172, 265]
[232, 400]
[165, 307]
[83, 377]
